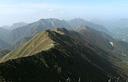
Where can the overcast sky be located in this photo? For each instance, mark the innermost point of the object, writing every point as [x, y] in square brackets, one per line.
[12, 11]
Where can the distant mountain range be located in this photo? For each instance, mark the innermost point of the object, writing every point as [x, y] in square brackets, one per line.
[78, 23]
[4, 34]
[117, 28]
[14, 26]
[4, 45]
[21, 31]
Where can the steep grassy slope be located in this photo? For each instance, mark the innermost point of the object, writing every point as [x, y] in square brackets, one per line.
[60, 55]
[3, 52]
[40, 42]
[53, 65]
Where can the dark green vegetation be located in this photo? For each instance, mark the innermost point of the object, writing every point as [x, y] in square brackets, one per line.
[61, 55]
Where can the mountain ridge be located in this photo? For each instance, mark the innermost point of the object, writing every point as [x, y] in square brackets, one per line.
[70, 51]
[29, 30]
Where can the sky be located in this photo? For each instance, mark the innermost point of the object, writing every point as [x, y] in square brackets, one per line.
[13, 11]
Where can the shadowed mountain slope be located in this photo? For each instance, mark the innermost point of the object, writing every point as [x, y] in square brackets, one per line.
[61, 55]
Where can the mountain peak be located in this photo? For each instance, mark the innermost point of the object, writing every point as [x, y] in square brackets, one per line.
[52, 19]
[42, 41]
